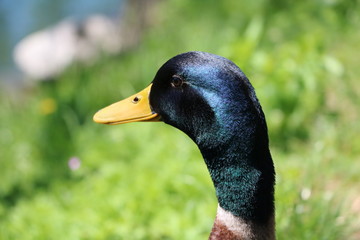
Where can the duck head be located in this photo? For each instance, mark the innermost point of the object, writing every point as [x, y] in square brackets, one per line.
[211, 100]
[202, 94]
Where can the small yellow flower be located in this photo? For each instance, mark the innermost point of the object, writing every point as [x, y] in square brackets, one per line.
[47, 106]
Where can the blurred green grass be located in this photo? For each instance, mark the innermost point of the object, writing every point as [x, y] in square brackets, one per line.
[147, 180]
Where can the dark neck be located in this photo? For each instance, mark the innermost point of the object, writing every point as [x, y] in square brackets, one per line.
[243, 175]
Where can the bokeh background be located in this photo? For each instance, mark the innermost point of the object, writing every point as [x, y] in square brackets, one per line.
[64, 177]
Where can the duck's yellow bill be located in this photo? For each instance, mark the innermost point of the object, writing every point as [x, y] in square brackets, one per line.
[135, 108]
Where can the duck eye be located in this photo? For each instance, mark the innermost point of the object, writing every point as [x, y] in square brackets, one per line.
[176, 81]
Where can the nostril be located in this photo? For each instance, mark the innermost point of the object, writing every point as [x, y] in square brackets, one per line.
[136, 99]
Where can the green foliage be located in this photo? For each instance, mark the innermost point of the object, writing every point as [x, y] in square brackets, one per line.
[147, 181]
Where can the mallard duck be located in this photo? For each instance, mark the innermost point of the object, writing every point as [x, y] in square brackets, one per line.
[211, 100]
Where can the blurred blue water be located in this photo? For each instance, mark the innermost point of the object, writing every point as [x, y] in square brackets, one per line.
[19, 18]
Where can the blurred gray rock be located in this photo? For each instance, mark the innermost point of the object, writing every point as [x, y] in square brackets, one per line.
[44, 54]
